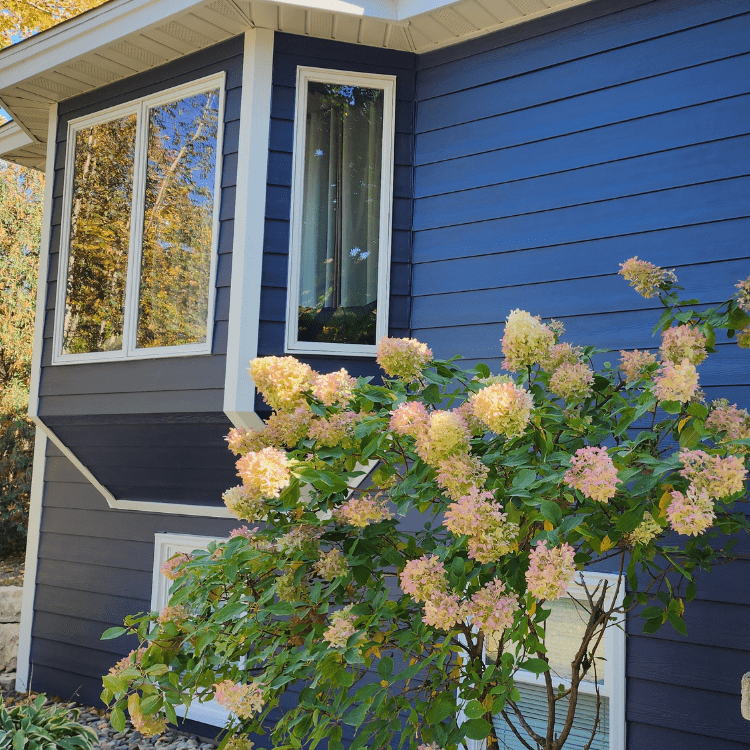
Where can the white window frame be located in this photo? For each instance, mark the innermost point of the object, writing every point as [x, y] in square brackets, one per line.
[140, 107]
[166, 546]
[614, 655]
[387, 83]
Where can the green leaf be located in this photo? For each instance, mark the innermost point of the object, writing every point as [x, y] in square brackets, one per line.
[229, 612]
[551, 511]
[281, 608]
[356, 716]
[537, 666]
[442, 707]
[19, 740]
[650, 612]
[629, 521]
[689, 437]
[431, 394]
[671, 407]
[113, 633]
[385, 667]
[477, 729]
[677, 623]
[474, 709]
[651, 626]
[698, 410]
[113, 684]
[117, 719]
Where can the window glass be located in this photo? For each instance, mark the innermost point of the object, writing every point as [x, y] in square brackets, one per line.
[178, 221]
[99, 236]
[340, 236]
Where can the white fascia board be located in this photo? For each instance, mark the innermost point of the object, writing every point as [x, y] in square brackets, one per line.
[249, 224]
[13, 136]
[388, 10]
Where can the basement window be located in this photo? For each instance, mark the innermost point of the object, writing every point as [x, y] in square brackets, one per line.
[342, 193]
[140, 227]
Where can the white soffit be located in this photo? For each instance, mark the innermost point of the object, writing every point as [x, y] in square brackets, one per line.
[124, 37]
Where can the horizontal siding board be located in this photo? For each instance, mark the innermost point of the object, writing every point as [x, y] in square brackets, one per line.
[645, 735]
[624, 29]
[69, 686]
[72, 603]
[67, 657]
[696, 204]
[660, 132]
[669, 248]
[155, 456]
[667, 92]
[607, 69]
[133, 584]
[706, 162]
[78, 631]
[61, 548]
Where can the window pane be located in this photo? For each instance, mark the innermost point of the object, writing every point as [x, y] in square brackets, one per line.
[178, 222]
[533, 707]
[341, 214]
[99, 237]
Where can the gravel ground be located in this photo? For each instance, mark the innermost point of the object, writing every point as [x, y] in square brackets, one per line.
[109, 739]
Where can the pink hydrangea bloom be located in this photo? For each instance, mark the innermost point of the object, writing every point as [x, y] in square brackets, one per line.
[264, 473]
[337, 429]
[242, 504]
[148, 726]
[282, 381]
[243, 531]
[300, 538]
[423, 578]
[593, 473]
[171, 568]
[341, 628]
[550, 571]
[492, 608]
[634, 364]
[241, 440]
[733, 422]
[334, 388]
[691, 513]
[403, 358]
[561, 354]
[719, 477]
[526, 341]
[177, 615]
[331, 565]
[645, 277]
[572, 381]
[446, 435]
[473, 511]
[430, 746]
[444, 611]
[676, 382]
[457, 475]
[287, 428]
[683, 343]
[133, 659]
[504, 408]
[489, 544]
[743, 295]
[364, 510]
[410, 418]
[242, 700]
[472, 422]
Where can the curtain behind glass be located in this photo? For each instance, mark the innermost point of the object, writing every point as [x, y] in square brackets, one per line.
[341, 214]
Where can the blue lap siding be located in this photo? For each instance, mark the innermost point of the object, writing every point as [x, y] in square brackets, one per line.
[544, 158]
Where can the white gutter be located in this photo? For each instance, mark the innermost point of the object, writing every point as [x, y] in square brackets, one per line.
[13, 136]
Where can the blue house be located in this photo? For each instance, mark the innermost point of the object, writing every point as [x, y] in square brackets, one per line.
[502, 154]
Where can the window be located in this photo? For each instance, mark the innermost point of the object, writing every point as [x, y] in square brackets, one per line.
[166, 546]
[564, 630]
[341, 212]
[140, 227]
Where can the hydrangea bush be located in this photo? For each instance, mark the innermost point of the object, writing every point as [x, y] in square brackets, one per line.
[519, 482]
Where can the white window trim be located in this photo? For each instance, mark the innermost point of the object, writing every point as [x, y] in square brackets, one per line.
[306, 75]
[140, 107]
[166, 546]
[614, 654]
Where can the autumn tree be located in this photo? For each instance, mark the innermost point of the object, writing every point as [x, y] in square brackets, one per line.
[23, 18]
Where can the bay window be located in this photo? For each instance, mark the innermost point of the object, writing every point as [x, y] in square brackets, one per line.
[341, 212]
[140, 227]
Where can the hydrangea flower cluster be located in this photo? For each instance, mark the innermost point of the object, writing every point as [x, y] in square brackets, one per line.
[243, 531]
[504, 408]
[337, 429]
[148, 726]
[241, 700]
[302, 538]
[241, 440]
[264, 473]
[683, 343]
[446, 435]
[334, 388]
[410, 418]
[172, 568]
[341, 628]
[239, 743]
[733, 422]
[176, 615]
[743, 295]
[646, 530]
[635, 363]
[133, 659]
[743, 338]
[331, 565]
[561, 354]
[572, 381]
[430, 746]
[403, 358]
[645, 277]
[492, 608]
[719, 477]
[282, 381]
[364, 510]
[692, 513]
[457, 475]
[593, 473]
[423, 578]
[676, 382]
[243, 505]
[526, 341]
[444, 610]
[287, 428]
[550, 571]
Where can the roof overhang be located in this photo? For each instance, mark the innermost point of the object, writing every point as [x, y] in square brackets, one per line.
[124, 37]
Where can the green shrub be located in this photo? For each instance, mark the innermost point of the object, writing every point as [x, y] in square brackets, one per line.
[38, 727]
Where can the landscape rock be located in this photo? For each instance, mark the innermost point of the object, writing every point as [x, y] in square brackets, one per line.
[8, 646]
[10, 603]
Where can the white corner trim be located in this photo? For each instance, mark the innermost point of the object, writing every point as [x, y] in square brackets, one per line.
[13, 136]
[249, 223]
[42, 283]
[30, 567]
